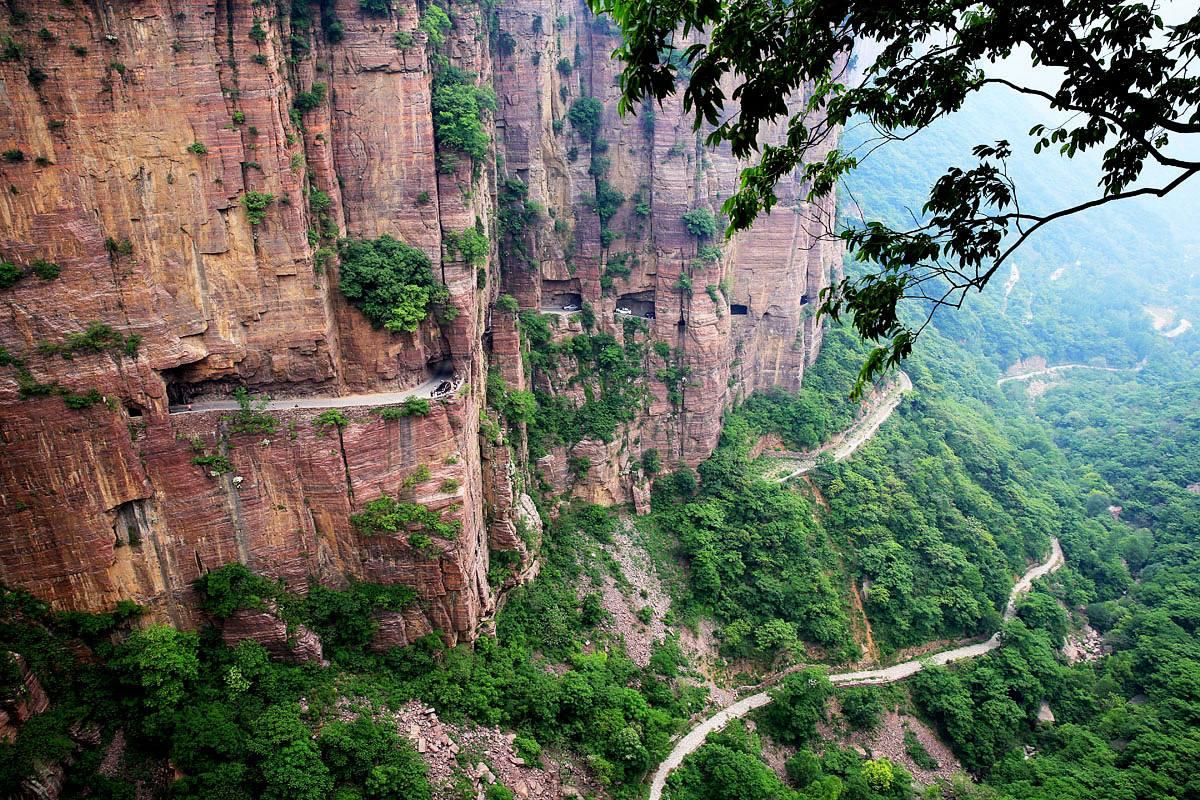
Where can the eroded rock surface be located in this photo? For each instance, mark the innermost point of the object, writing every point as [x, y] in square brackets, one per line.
[155, 121]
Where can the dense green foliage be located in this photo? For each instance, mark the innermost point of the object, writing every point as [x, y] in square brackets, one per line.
[458, 111]
[435, 22]
[936, 515]
[609, 373]
[730, 765]
[388, 515]
[411, 407]
[700, 223]
[585, 115]
[256, 205]
[232, 721]
[391, 282]
[755, 555]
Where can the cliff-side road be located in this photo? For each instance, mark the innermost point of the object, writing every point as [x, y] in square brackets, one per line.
[696, 736]
[856, 435]
[344, 401]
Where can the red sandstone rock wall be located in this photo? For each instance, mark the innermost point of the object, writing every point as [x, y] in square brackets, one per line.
[775, 271]
[104, 503]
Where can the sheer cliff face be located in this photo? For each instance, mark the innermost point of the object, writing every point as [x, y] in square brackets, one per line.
[748, 320]
[105, 503]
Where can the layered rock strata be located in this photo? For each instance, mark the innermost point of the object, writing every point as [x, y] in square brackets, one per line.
[145, 130]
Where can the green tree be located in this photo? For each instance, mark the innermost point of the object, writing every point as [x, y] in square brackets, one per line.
[1123, 85]
[391, 282]
[435, 23]
[160, 664]
[798, 704]
[458, 111]
[700, 223]
[585, 115]
[862, 706]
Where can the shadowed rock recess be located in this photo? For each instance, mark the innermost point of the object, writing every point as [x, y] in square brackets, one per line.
[151, 136]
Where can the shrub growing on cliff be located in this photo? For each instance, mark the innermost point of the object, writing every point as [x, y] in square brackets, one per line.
[79, 401]
[379, 8]
[388, 515]
[471, 244]
[700, 223]
[585, 117]
[96, 338]
[412, 407]
[435, 22]
[46, 270]
[458, 108]
[307, 101]
[233, 587]
[10, 273]
[214, 464]
[391, 282]
[330, 418]
[252, 416]
[256, 204]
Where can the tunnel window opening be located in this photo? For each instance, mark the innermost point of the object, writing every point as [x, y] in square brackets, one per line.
[440, 369]
[738, 310]
[561, 295]
[637, 304]
[188, 381]
[178, 390]
[133, 410]
[563, 301]
[805, 299]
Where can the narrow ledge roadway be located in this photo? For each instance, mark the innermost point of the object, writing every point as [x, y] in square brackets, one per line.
[696, 736]
[344, 401]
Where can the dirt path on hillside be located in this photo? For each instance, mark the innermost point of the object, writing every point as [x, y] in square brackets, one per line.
[1062, 368]
[694, 738]
[846, 443]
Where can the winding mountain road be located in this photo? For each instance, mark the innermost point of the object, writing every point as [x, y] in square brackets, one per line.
[331, 401]
[857, 434]
[1061, 368]
[694, 738]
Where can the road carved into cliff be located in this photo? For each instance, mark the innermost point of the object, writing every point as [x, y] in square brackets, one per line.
[845, 444]
[694, 738]
[328, 401]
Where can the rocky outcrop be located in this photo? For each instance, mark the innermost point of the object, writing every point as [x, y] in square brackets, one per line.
[27, 701]
[144, 130]
[293, 644]
[748, 319]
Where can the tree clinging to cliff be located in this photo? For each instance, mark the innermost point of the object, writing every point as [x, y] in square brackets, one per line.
[1127, 85]
[391, 282]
